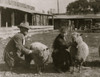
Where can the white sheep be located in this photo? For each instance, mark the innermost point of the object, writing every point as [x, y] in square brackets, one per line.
[99, 47]
[79, 50]
[40, 55]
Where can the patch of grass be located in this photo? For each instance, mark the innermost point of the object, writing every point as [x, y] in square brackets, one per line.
[92, 39]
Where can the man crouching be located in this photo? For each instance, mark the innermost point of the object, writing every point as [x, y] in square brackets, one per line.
[61, 57]
[17, 45]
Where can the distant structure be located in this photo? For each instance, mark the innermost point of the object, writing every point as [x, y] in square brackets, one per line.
[12, 13]
[91, 0]
[76, 22]
[51, 11]
[58, 6]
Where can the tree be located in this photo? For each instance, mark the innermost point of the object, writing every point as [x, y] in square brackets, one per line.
[83, 7]
[96, 6]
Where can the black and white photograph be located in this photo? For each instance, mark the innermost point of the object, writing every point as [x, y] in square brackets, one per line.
[49, 38]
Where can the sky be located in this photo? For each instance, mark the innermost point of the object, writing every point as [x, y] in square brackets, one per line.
[47, 4]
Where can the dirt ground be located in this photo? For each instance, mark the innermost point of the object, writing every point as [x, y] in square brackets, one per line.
[92, 68]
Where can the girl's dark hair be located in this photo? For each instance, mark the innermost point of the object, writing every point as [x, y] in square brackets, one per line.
[63, 29]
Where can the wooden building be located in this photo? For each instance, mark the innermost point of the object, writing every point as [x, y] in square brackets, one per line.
[12, 13]
[76, 22]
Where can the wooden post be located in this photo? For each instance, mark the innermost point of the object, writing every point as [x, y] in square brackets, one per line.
[6, 24]
[58, 6]
[26, 17]
[77, 26]
[0, 16]
[13, 19]
[52, 20]
[32, 19]
[47, 20]
[35, 19]
[91, 24]
[69, 26]
[42, 19]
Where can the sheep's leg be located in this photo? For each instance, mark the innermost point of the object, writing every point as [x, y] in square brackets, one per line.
[73, 68]
[80, 66]
[39, 70]
[42, 68]
[79, 69]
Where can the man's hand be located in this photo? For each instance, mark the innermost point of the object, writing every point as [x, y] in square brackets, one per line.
[30, 51]
[35, 52]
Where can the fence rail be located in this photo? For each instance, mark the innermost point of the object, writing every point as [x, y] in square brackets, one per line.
[9, 32]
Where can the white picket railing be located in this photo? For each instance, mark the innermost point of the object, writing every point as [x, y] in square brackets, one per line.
[9, 32]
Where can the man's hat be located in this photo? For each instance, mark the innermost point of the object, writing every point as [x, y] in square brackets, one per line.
[24, 25]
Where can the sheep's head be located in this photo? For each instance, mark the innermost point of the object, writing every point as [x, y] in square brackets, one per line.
[77, 37]
[46, 55]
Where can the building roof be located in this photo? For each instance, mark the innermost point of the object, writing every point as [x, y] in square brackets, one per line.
[43, 14]
[20, 6]
[87, 16]
[17, 5]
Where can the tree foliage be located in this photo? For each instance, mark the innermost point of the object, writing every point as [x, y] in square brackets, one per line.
[83, 7]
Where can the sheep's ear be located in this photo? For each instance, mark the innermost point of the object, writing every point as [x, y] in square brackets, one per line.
[43, 49]
[30, 47]
[47, 48]
[81, 34]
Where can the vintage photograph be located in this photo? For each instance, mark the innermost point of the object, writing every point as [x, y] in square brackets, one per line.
[49, 38]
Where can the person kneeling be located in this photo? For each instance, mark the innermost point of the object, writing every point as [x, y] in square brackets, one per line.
[15, 46]
[61, 57]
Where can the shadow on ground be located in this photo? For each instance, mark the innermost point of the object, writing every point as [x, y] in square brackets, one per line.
[21, 70]
[48, 69]
[95, 63]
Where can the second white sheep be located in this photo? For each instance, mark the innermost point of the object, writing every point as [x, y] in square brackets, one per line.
[79, 50]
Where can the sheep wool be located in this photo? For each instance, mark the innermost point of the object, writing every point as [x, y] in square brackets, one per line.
[83, 50]
[40, 55]
[80, 51]
[40, 49]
